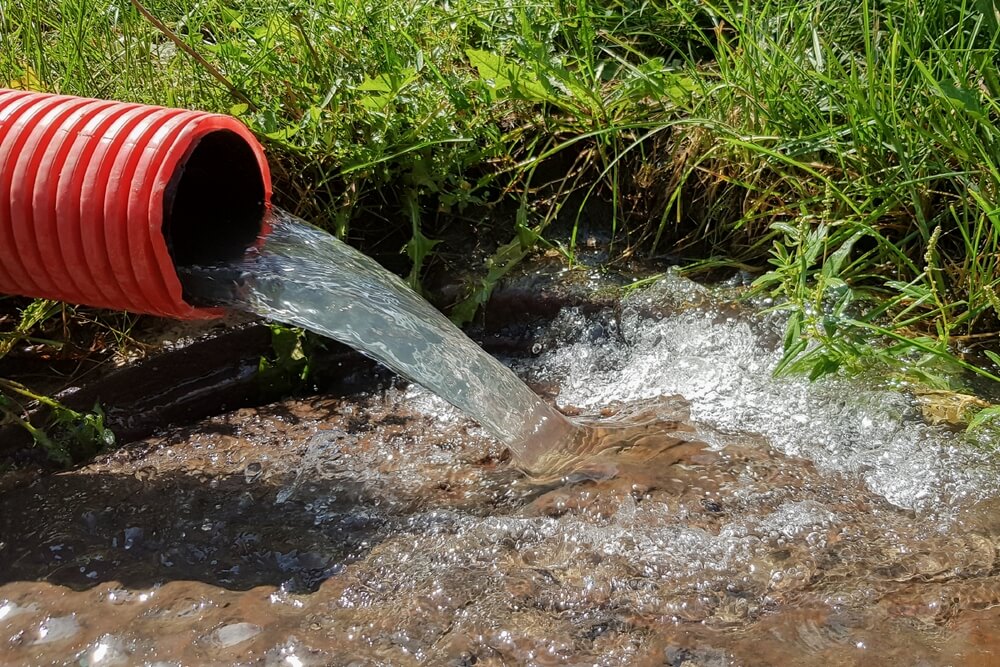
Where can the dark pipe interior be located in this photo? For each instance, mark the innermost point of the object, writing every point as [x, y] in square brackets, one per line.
[214, 205]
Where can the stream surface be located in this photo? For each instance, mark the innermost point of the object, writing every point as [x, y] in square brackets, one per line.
[784, 523]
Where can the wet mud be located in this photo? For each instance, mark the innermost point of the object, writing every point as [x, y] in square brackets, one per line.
[382, 528]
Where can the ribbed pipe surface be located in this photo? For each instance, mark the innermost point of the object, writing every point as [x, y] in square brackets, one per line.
[99, 200]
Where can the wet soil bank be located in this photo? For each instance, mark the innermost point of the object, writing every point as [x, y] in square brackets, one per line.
[793, 525]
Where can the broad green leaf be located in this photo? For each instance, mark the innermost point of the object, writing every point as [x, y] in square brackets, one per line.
[991, 16]
[501, 74]
[983, 417]
[284, 134]
[385, 88]
[389, 82]
[500, 263]
[418, 248]
[833, 263]
[968, 99]
[491, 67]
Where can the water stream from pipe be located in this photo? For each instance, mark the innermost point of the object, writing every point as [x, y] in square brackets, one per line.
[306, 277]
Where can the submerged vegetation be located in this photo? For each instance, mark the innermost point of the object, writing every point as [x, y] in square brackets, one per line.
[843, 152]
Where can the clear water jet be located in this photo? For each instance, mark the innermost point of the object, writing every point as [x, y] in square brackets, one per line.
[306, 277]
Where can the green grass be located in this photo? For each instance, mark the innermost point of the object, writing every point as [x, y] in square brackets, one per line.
[846, 151]
[868, 140]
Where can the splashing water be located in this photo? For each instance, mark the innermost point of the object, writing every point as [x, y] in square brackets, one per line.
[677, 337]
[305, 277]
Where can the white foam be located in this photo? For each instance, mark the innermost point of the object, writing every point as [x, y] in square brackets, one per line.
[723, 365]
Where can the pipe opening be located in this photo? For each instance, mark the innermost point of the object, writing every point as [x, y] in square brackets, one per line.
[214, 207]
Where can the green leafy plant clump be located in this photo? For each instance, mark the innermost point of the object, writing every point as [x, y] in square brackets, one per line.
[65, 435]
[844, 151]
[68, 436]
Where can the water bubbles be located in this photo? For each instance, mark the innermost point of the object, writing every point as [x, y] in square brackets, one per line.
[722, 360]
[10, 610]
[99, 653]
[106, 651]
[234, 633]
[119, 596]
[283, 597]
[290, 654]
[56, 629]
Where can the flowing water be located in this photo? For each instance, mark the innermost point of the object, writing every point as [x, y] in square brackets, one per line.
[781, 522]
[306, 277]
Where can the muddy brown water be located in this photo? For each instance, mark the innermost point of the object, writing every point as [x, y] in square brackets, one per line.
[770, 523]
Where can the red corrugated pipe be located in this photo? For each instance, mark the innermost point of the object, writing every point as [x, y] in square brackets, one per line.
[101, 201]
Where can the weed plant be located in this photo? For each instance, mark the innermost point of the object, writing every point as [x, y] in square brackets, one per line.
[845, 151]
[65, 435]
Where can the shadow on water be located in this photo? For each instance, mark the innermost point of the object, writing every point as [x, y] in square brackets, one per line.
[179, 527]
[235, 512]
[236, 519]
